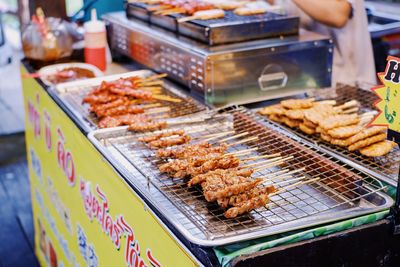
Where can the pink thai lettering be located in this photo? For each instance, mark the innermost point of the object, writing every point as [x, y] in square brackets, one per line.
[47, 130]
[153, 261]
[99, 207]
[65, 159]
[34, 117]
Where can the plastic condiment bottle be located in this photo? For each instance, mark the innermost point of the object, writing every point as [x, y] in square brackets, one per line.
[95, 42]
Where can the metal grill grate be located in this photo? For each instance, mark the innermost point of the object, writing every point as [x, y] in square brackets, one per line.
[385, 167]
[341, 192]
[73, 96]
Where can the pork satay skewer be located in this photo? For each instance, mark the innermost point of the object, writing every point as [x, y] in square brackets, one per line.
[204, 15]
[261, 200]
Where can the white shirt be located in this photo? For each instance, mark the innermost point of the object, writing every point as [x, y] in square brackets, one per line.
[353, 59]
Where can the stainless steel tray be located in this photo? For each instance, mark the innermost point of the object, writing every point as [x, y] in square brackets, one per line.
[71, 95]
[342, 191]
[230, 29]
[385, 168]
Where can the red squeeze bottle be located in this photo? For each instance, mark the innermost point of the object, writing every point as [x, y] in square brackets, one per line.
[95, 42]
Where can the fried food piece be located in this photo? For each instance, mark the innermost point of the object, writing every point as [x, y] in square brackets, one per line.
[378, 149]
[295, 114]
[326, 137]
[368, 141]
[371, 131]
[291, 123]
[276, 118]
[304, 128]
[318, 113]
[276, 109]
[309, 124]
[345, 131]
[298, 103]
[340, 142]
[339, 121]
[201, 149]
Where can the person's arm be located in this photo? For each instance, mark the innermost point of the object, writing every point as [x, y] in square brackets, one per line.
[334, 13]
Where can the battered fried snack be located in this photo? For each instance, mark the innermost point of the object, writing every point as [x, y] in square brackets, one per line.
[378, 149]
[309, 124]
[318, 113]
[298, 103]
[368, 141]
[326, 137]
[276, 118]
[295, 114]
[276, 109]
[291, 123]
[345, 131]
[339, 121]
[340, 142]
[304, 128]
[371, 131]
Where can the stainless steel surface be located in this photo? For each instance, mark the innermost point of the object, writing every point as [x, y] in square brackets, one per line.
[384, 168]
[232, 28]
[342, 192]
[71, 95]
[383, 18]
[227, 74]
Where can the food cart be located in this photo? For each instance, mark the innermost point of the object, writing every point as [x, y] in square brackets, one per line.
[100, 199]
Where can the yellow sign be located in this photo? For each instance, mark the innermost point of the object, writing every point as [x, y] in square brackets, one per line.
[389, 96]
[84, 213]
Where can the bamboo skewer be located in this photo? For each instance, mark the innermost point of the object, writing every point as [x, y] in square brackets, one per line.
[158, 110]
[167, 98]
[262, 162]
[291, 180]
[233, 137]
[284, 189]
[242, 151]
[262, 157]
[272, 164]
[243, 141]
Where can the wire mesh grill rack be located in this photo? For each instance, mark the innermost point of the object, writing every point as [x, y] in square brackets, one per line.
[341, 191]
[72, 94]
[384, 168]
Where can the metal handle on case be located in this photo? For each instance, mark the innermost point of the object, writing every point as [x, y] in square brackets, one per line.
[266, 79]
